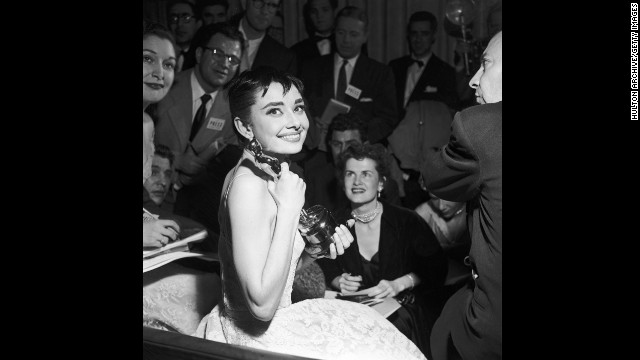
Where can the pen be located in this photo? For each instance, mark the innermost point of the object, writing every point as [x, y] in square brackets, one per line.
[150, 214]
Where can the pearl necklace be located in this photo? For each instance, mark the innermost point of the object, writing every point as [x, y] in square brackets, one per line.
[365, 218]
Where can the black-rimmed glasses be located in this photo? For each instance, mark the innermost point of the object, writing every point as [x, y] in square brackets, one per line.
[219, 55]
[183, 18]
[259, 4]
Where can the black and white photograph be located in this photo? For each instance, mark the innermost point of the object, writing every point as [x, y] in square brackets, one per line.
[322, 179]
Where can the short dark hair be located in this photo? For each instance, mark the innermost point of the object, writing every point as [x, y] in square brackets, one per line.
[164, 152]
[423, 16]
[333, 3]
[306, 14]
[348, 121]
[191, 5]
[376, 152]
[158, 30]
[205, 33]
[201, 4]
[354, 13]
[244, 89]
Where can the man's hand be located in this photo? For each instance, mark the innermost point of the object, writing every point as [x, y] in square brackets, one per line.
[159, 233]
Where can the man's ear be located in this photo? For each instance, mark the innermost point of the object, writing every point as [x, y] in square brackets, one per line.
[244, 129]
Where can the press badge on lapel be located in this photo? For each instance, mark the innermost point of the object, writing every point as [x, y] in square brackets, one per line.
[215, 124]
[353, 91]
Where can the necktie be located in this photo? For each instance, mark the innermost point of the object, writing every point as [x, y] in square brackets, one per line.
[200, 115]
[342, 82]
[420, 63]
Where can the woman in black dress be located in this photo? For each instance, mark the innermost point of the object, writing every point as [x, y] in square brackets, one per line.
[395, 253]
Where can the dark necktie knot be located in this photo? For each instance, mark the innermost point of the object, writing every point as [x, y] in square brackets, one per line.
[419, 62]
[205, 98]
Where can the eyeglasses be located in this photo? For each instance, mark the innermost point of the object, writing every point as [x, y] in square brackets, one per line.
[259, 4]
[186, 18]
[220, 56]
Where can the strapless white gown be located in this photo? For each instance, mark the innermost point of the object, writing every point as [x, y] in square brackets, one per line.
[316, 328]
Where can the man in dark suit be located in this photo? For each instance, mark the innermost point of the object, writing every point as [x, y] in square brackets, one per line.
[348, 75]
[260, 48]
[422, 75]
[419, 76]
[194, 121]
[469, 169]
[318, 16]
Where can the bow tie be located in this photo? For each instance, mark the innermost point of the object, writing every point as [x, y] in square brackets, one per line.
[419, 62]
[320, 38]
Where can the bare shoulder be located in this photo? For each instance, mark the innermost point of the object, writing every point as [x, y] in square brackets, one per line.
[248, 190]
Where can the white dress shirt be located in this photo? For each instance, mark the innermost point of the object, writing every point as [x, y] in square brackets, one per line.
[413, 74]
[196, 92]
[250, 50]
[337, 64]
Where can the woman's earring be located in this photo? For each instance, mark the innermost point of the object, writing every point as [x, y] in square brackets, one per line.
[379, 190]
[255, 147]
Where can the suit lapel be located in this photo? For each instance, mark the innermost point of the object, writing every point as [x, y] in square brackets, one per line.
[264, 53]
[327, 82]
[402, 78]
[206, 134]
[180, 113]
[358, 79]
[428, 73]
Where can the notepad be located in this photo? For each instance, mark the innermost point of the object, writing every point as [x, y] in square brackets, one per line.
[180, 245]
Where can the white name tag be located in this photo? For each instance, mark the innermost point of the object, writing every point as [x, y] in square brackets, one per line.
[353, 91]
[215, 124]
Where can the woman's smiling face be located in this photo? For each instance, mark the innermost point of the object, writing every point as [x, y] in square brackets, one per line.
[361, 180]
[158, 64]
[279, 121]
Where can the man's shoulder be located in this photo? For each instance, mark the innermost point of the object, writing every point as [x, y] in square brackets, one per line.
[313, 66]
[372, 65]
[483, 110]
[481, 116]
[441, 63]
[181, 86]
[302, 45]
[397, 62]
[274, 45]
[182, 81]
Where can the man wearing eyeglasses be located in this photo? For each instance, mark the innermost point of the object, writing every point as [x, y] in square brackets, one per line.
[213, 11]
[184, 24]
[263, 49]
[194, 120]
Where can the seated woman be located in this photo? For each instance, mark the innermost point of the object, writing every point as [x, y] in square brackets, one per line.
[394, 252]
[260, 246]
[174, 297]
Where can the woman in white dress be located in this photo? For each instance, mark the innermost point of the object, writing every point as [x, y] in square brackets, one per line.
[260, 246]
